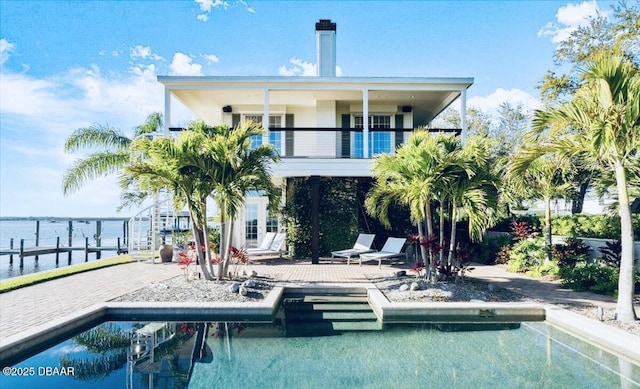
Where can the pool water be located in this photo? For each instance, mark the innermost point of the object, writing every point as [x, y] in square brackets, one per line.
[225, 355]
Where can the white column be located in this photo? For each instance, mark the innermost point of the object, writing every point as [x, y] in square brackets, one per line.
[167, 110]
[365, 123]
[265, 117]
[463, 115]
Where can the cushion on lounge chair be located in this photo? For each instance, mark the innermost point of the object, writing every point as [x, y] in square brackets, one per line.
[276, 247]
[265, 244]
[391, 249]
[362, 245]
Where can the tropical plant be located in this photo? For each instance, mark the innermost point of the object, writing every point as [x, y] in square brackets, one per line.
[109, 153]
[545, 177]
[472, 191]
[601, 124]
[206, 161]
[235, 168]
[410, 177]
[571, 252]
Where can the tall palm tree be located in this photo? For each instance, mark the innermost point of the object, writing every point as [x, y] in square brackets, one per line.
[109, 151]
[412, 177]
[234, 169]
[472, 190]
[204, 162]
[546, 177]
[174, 165]
[603, 119]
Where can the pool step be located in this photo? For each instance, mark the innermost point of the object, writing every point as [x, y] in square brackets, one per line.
[321, 314]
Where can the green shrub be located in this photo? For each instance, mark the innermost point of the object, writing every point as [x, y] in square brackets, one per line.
[503, 254]
[526, 255]
[592, 226]
[569, 253]
[592, 277]
[487, 250]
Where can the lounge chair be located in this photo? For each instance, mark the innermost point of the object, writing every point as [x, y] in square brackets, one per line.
[362, 245]
[265, 244]
[391, 249]
[276, 247]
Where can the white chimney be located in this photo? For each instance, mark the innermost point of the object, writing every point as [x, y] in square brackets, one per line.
[325, 48]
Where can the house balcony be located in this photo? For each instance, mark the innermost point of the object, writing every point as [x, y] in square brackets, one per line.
[334, 152]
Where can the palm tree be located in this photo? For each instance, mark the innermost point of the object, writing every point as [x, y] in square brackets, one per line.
[207, 162]
[234, 169]
[545, 177]
[411, 177]
[472, 190]
[109, 152]
[174, 165]
[602, 124]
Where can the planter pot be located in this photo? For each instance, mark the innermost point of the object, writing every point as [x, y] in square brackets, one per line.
[166, 253]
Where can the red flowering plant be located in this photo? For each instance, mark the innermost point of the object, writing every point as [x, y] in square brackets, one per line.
[418, 268]
[239, 257]
[184, 261]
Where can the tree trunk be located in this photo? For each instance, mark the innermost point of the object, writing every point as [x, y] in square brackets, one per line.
[441, 242]
[227, 257]
[547, 229]
[578, 199]
[423, 253]
[624, 307]
[452, 244]
[429, 217]
[222, 248]
[197, 235]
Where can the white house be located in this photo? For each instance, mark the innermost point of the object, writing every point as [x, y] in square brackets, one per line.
[321, 126]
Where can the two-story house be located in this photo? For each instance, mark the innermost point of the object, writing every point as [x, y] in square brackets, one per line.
[323, 126]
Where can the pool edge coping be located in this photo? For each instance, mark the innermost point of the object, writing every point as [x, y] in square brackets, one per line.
[613, 340]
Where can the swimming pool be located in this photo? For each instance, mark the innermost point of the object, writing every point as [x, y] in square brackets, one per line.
[242, 354]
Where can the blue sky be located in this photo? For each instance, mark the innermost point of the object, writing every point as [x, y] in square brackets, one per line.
[69, 64]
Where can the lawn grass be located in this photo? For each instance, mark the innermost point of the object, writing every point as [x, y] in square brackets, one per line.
[36, 278]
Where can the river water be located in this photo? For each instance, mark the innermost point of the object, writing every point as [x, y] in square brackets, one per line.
[49, 230]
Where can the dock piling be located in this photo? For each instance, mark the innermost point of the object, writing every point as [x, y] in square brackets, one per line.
[21, 253]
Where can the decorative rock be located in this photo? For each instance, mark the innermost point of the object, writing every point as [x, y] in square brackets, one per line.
[403, 287]
[243, 291]
[414, 286]
[491, 287]
[234, 288]
[249, 283]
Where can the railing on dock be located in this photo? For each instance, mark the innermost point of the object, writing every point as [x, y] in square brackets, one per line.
[26, 250]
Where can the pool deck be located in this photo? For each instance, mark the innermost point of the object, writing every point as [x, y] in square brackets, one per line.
[25, 309]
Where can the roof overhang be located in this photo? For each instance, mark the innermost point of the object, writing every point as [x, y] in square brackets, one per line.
[426, 96]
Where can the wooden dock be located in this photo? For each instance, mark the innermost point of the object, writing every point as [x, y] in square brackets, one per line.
[23, 252]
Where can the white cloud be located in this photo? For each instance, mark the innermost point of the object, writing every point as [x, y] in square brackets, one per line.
[143, 52]
[206, 6]
[490, 103]
[182, 65]
[569, 18]
[299, 68]
[6, 48]
[212, 58]
[302, 68]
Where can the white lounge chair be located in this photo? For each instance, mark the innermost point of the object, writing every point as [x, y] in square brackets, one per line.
[276, 247]
[391, 249]
[265, 244]
[362, 245]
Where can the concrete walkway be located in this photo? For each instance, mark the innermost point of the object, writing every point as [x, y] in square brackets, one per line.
[26, 308]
